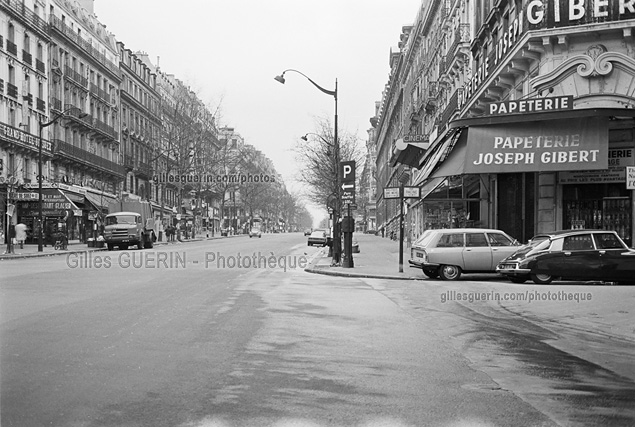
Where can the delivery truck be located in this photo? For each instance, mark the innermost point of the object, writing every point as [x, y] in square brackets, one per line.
[129, 223]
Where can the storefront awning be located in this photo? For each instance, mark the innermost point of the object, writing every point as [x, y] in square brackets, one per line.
[574, 144]
[408, 153]
[439, 154]
[454, 162]
[99, 201]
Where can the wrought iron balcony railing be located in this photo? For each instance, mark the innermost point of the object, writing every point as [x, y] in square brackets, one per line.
[69, 151]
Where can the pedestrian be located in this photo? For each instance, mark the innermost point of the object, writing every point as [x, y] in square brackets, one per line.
[20, 234]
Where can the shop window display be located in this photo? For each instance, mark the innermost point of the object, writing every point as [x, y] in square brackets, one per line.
[598, 206]
[453, 204]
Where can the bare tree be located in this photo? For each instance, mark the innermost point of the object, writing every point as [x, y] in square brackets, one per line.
[317, 158]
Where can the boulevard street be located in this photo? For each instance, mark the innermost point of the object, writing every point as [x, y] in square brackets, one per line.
[233, 332]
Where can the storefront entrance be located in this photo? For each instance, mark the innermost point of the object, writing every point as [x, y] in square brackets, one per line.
[598, 206]
[517, 204]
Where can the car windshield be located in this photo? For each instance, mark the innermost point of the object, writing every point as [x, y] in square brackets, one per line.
[542, 245]
[318, 233]
[120, 219]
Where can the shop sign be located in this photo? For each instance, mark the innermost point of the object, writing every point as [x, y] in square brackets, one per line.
[541, 14]
[630, 177]
[619, 158]
[24, 196]
[538, 146]
[505, 43]
[24, 138]
[531, 105]
[564, 13]
[592, 177]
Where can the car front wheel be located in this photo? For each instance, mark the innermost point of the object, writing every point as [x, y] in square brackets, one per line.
[450, 272]
[541, 279]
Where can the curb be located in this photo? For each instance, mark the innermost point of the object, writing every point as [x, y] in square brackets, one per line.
[86, 249]
[314, 269]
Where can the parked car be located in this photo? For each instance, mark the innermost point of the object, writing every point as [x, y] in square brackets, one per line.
[307, 232]
[447, 253]
[317, 237]
[594, 255]
[255, 232]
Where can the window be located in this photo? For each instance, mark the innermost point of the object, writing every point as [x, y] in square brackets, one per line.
[451, 240]
[476, 240]
[607, 241]
[497, 239]
[577, 243]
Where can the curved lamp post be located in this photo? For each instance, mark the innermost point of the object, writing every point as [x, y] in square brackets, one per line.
[328, 151]
[336, 148]
[39, 171]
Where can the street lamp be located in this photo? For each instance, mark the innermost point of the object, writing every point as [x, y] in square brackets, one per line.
[336, 147]
[328, 150]
[40, 247]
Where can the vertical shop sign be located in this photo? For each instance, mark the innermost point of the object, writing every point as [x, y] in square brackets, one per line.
[630, 177]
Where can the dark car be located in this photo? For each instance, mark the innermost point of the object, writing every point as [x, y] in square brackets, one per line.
[593, 255]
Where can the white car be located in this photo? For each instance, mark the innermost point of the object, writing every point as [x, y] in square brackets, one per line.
[255, 232]
[446, 253]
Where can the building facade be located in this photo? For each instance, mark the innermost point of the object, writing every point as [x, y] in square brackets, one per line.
[140, 122]
[516, 115]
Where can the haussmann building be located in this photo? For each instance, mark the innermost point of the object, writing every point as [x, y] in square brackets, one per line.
[516, 115]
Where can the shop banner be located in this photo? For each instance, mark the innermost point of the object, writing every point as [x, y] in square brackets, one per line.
[554, 145]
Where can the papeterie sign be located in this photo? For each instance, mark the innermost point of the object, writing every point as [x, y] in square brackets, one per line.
[531, 105]
[538, 146]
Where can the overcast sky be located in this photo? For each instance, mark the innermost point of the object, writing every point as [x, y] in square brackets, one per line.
[230, 51]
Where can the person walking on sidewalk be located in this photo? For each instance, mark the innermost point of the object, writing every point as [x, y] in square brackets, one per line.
[20, 234]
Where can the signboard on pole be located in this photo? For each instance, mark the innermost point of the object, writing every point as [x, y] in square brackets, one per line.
[391, 193]
[347, 172]
[412, 192]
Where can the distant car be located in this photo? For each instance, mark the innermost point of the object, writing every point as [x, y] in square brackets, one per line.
[255, 232]
[593, 255]
[317, 238]
[307, 232]
[446, 253]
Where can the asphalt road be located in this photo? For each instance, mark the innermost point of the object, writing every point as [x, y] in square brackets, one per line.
[183, 336]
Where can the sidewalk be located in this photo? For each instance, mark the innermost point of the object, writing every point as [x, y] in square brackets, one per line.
[74, 246]
[378, 258]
